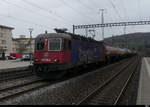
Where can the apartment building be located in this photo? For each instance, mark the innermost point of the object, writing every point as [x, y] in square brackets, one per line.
[22, 45]
[5, 40]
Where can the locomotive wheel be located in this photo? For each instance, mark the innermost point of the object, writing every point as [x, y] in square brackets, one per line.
[54, 75]
[38, 71]
[60, 75]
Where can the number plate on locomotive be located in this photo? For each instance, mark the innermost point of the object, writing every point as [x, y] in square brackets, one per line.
[46, 59]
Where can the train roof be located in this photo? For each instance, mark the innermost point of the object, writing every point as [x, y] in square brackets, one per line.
[67, 35]
[54, 35]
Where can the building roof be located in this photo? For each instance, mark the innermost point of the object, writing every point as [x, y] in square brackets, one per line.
[18, 39]
[7, 27]
[65, 35]
[52, 35]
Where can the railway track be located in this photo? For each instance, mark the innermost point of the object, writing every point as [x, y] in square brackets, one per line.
[129, 94]
[26, 72]
[15, 74]
[32, 83]
[6, 85]
[111, 91]
[16, 90]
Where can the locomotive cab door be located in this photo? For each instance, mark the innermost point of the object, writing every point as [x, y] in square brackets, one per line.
[67, 49]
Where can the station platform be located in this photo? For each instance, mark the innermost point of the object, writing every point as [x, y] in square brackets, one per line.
[144, 85]
[13, 64]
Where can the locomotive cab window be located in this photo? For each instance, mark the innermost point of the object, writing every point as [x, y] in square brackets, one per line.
[55, 44]
[40, 45]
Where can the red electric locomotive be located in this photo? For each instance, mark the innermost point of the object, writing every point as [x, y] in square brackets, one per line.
[56, 53]
[52, 54]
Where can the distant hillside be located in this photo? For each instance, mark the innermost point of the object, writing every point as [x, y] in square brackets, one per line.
[138, 41]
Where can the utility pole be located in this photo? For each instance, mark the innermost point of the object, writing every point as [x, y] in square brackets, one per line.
[102, 21]
[73, 29]
[124, 30]
[112, 39]
[30, 30]
[126, 41]
[86, 32]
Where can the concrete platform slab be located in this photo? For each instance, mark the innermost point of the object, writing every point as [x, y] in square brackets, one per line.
[13, 64]
[144, 85]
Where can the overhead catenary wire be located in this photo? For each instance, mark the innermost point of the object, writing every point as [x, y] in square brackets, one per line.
[48, 11]
[114, 7]
[139, 8]
[32, 11]
[77, 11]
[23, 20]
[124, 8]
[107, 7]
[86, 6]
[94, 3]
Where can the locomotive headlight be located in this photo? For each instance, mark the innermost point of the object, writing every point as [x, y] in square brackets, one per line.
[46, 40]
[36, 60]
[56, 60]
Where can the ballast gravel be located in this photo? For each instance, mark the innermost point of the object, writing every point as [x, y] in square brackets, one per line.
[68, 92]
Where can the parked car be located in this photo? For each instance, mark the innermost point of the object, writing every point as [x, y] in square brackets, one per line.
[18, 59]
[10, 58]
[27, 58]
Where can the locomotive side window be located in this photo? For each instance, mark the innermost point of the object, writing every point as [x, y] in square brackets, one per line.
[65, 44]
[55, 44]
[70, 46]
[40, 45]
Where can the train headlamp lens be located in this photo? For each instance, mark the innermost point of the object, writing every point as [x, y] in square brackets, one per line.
[56, 60]
[36, 60]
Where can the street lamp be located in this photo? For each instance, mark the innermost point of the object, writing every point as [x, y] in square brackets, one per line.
[30, 30]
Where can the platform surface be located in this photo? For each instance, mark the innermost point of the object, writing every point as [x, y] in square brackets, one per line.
[144, 85]
[13, 64]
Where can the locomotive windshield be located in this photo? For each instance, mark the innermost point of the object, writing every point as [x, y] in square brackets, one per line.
[40, 45]
[55, 44]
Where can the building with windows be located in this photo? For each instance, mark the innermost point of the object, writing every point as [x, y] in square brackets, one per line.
[5, 40]
[23, 45]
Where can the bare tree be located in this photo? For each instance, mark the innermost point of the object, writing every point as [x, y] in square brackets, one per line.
[1, 49]
[21, 47]
[2, 53]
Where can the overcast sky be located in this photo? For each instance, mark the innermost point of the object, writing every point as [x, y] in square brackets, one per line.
[44, 15]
